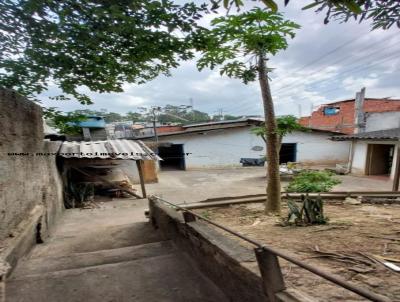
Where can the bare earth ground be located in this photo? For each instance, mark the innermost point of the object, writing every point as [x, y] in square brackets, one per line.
[352, 229]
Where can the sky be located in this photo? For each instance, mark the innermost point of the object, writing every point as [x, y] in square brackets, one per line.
[323, 63]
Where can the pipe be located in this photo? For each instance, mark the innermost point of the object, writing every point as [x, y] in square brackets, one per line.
[330, 277]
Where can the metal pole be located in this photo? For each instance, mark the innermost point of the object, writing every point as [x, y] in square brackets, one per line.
[328, 276]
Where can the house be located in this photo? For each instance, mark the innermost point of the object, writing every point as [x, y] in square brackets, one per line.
[93, 128]
[224, 143]
[374, 152]
[341, 116]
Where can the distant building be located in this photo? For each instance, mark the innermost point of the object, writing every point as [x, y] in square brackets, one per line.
[225, 143]
[93, 128]
[340, 116]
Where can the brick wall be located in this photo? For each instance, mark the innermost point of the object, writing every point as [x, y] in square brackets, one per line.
[167, 129]
[343, 121]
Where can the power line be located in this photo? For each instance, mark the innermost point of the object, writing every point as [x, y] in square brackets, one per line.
[392, 55]
[342, 59]
[329, 53]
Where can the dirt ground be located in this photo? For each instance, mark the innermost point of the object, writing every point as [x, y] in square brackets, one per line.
[354, 232]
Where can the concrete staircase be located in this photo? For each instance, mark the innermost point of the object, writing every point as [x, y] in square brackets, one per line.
[108, 262]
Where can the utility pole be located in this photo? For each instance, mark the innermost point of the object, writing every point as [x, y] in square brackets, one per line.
[153, 113]
[192, 106]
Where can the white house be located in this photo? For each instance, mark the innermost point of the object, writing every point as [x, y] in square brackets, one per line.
[373, 152]
[225, 143]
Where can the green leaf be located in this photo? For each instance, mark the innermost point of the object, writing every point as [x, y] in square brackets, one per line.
[353, 7]
[311, 5]
[271, 4]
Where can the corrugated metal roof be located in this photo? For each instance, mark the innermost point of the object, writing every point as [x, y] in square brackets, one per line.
[388, 134]
[108, 149]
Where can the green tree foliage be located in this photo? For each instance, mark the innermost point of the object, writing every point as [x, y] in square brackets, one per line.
[91, 45]
[383, 13]
[239, 46]
[286, 124]
[312, 181]
[182, 115]
[62, 121]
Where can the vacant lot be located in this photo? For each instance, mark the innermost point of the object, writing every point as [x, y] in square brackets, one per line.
[345, 246]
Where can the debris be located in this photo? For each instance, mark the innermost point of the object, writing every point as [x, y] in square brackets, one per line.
[333, 227]
[392, 266]
[351, 258]
[351, 200]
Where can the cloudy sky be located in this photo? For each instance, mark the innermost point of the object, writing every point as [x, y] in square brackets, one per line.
[324, 63]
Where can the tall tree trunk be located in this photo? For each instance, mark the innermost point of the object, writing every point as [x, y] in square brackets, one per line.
[273, 203]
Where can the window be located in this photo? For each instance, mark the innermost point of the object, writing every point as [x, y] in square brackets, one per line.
[331, 110]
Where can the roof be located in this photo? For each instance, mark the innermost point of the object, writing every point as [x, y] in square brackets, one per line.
[366, 99]
[388, 134]
[108, 149]
[210, 126]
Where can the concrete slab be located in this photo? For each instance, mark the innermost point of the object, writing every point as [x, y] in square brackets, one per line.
[109, 254]
[196, 185]
[166, 278]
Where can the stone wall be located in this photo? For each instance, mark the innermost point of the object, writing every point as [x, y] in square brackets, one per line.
[26, 179]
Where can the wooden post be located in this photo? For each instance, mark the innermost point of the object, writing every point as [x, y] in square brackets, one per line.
[396, 179]
[272, 279]
[188, 217]
[140, 169]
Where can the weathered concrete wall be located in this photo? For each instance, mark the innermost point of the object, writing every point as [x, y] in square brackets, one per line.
[26, 179]
[225, 148]
[382, 120]
[220, 258]
[217, 256]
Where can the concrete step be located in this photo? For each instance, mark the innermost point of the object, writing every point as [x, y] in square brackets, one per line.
[95, 238]
[42, 265]
[163, 278]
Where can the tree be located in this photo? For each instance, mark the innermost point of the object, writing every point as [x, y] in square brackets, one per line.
[64, 121]
[240, 45]
[134, 117]
[91, 45]
[383, 13]
[285, 124]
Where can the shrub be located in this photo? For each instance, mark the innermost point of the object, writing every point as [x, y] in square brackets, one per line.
[312, 181]
[311, 212]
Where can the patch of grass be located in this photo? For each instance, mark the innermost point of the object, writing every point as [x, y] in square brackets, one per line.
[206, 214]
[312, 182]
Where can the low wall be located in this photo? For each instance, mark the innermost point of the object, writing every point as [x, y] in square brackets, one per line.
[220, 258]
[217, 256]
[27, 180]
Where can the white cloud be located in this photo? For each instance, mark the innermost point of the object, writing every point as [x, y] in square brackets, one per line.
[323, 63]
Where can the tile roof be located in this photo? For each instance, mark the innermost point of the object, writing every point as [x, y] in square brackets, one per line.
[388, 134]
[108, 149]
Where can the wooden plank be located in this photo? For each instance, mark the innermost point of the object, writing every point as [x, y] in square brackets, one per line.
[272, 278]
[142, 185]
